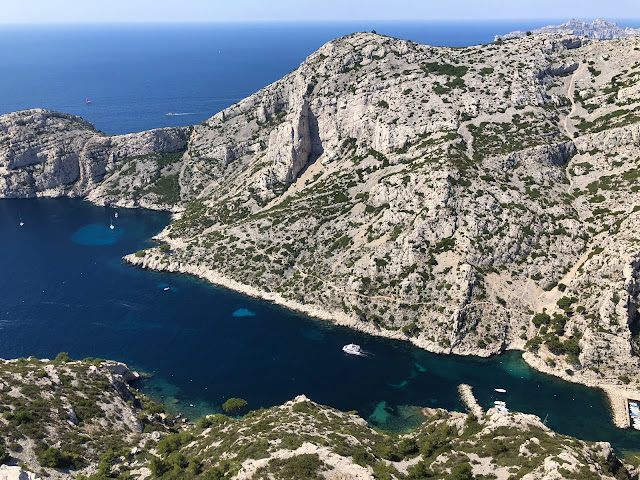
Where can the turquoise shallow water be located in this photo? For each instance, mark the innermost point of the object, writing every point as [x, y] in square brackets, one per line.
[63, 287]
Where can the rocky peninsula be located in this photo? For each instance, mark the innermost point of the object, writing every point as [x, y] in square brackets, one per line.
[65, 419]
[469, 200]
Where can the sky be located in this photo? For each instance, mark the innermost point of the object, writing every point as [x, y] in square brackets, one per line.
[107, 11]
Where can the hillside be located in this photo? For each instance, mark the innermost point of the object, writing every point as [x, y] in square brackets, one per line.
[79, 419]
[468, 200]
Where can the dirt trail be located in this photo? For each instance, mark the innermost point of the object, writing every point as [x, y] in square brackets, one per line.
[549, 299]
[572, 85]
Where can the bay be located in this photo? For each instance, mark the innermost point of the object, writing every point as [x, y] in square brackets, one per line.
[64, 287]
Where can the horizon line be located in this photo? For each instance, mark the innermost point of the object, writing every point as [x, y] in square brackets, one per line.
[307, 21]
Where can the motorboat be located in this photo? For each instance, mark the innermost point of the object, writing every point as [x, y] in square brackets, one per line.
[500, 390]
[352, 349]
[111, 224]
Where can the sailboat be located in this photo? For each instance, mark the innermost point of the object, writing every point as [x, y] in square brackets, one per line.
[87, 100]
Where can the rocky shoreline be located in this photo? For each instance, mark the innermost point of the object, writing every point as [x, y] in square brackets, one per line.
[616, 395]
[420, 193]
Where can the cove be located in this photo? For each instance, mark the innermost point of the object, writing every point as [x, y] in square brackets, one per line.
[63, 287]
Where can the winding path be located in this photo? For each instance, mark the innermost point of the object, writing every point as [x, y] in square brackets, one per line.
[572, 85]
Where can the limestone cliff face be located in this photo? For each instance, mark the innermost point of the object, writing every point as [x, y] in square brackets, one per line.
[468, 200]
[44, 152]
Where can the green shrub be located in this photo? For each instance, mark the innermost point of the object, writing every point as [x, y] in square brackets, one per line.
[172, 443]
[62, 357]
[300, 466]
[234, 405]
[209, 420]
[541, 319]
[407, 447]
[158, 467]
[419, 471]
[53, 458]
[462, 472]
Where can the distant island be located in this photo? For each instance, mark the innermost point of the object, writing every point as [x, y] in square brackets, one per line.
[599, 29]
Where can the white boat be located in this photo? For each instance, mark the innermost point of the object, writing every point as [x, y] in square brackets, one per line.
[171, 114]
[166, 288]
[21, 223]
[500, 390]
[115, 214]
[352, 349]
[111, 224]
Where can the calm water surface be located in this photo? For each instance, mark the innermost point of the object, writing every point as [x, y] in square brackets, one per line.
[64, 288]
[135, 74]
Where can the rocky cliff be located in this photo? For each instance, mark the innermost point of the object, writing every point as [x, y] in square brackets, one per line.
[67, 419]
[466, 199]
[599, 29]
[52, 154]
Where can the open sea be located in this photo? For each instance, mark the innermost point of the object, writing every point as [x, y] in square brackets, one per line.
[63, 286]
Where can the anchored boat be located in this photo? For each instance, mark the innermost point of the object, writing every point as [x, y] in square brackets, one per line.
[353, 349]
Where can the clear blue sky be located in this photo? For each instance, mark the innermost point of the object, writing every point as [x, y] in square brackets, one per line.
[63, 11]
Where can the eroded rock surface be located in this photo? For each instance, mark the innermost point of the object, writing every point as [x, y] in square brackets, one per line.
[468, 200]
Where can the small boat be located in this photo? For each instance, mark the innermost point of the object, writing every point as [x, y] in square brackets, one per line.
[87, 101]
[111, 224]
[353, 349]
[500, 390]
[115, 214]
[21, 223]
[166, 288]
[171, 114]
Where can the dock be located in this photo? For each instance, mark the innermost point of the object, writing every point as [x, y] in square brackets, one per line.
[619, 399]
[466, 394]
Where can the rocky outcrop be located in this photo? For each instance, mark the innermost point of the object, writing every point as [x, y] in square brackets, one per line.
[63, 417]
[599, 29]
[16, 473]
[297, 440]
[50, 153]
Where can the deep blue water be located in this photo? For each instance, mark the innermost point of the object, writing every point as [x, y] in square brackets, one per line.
[135, 74]
[63, 287]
